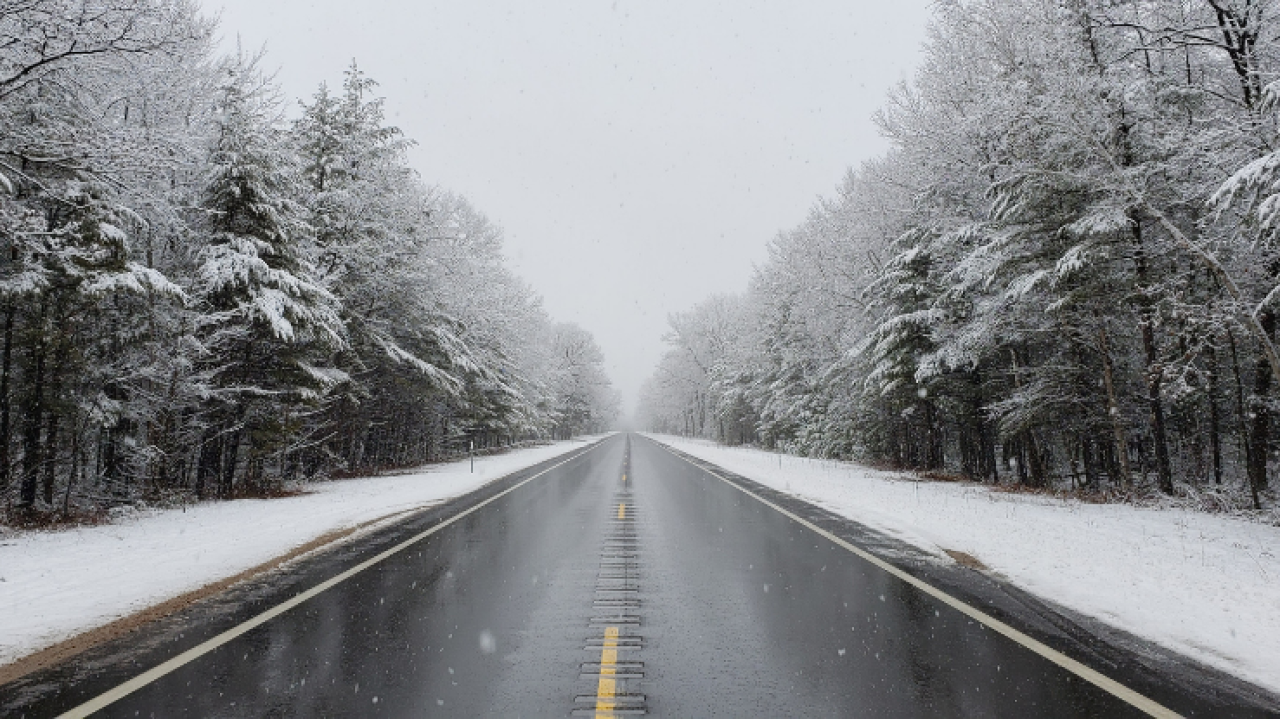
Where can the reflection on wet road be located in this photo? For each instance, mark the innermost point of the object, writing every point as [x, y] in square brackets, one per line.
[626, 581]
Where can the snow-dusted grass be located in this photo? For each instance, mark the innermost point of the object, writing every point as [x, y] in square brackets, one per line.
[56, 584]
[1205, 585]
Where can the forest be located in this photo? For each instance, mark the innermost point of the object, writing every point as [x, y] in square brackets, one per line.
[1064, 273]
[208, 290]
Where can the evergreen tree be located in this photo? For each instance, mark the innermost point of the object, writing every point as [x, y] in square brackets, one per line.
[269, 326]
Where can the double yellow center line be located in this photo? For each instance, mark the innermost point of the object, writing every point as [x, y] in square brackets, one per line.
[607, 689]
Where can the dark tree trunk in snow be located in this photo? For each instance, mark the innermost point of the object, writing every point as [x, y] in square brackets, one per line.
[1260, 431]
[1242, 424]
[33, 416]
[6, 366]
[55, 415]
[208, 464]
[1159, 436]
[51, 464]
[1154, 370]
[933, 448]
[1215, 421]
[1113, 406]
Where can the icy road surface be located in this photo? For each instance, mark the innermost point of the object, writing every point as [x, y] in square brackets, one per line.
[1200, 584]
[626, 579]
[54, 585]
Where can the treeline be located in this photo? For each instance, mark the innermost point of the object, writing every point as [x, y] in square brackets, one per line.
[1064, 273]
[206, 291]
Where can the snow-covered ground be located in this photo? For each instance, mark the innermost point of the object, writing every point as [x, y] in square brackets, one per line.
[1205, 585]
[56, 584]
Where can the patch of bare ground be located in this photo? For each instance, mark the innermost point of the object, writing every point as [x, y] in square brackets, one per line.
[269, 491]
[69, 648]
[92, 515]
[965, 559]
[1098, 495]
[41, 520]
[1203, 497]
[938, 476]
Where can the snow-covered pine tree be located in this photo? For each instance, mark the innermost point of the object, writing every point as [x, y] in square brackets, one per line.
[269, 327]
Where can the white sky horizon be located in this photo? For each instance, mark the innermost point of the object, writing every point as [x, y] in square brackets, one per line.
[639, 157]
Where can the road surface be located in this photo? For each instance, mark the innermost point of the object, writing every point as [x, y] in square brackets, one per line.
[623, 580]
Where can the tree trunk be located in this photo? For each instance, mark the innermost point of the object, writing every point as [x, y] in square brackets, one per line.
[933, 447]
[1242, 426]
[1164, 471]
[207, 465]
[1154, 370]
[74, 474]
[986, 437]
[51, 433]
[1215, 421]
[1113, 406]
[231, 456]
[6, 365]
[113, 459]
[33, 417]
[51, 463]
[1088, 457]
[1039, 461]
[1260, 434]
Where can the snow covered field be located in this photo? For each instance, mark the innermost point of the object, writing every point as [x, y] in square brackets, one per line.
[1204, 585]
[56, 584]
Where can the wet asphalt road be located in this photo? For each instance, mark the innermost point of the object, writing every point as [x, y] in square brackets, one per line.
[690, 599]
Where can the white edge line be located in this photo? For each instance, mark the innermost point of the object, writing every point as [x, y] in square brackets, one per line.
[1090, 675]
[119, 692]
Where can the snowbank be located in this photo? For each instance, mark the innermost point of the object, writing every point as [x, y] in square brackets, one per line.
[1204, 585]
[54, 585]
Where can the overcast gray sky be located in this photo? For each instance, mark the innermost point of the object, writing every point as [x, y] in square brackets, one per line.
[639, 155]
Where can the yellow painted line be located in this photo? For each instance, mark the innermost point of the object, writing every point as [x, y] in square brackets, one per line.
[107, 698]
[622, 510]
[607, 689]
[624, 477]
[1096, 678]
